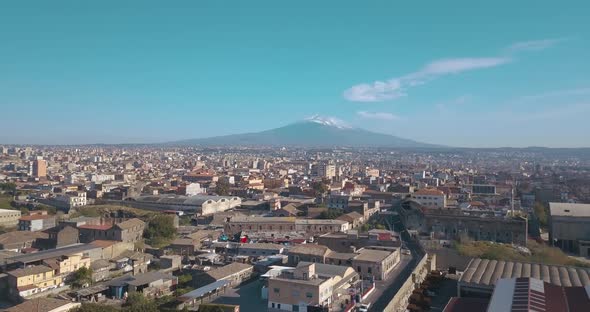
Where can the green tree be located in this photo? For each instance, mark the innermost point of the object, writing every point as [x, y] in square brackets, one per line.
[320, 187]
[222, 187]
[9, 187]
[82, 276]
[160, 229]
[541, 213]
[185, 279]
[330, 214]
[136, 302]
[210, 308]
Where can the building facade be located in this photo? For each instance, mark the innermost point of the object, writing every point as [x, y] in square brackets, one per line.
[569, 227]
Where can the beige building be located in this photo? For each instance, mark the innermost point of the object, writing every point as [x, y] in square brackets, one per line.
[430, 198]
[569, 227]
[373, 262]
[45, 305]
[311, 284]
[39, 168]
[32, 280]
[67, 265]
[9, 218]
[284, 225]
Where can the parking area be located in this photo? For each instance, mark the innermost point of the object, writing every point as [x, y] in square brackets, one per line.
[246, 296]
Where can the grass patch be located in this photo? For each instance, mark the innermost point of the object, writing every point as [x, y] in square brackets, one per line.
[5, 202]
[540, 253]
[102, 210]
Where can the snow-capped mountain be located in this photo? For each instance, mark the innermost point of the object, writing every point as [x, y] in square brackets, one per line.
[328, 121]
[314, 131]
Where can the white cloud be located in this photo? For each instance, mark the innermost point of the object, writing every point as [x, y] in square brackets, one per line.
[533, 45]
[378, 115]
[396, 87]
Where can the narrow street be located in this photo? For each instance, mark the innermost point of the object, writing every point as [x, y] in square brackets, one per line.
[384, 293]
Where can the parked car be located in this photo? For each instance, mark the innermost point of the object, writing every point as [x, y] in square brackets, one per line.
[364, 307]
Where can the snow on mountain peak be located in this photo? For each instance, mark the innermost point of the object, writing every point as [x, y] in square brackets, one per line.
[328, 121]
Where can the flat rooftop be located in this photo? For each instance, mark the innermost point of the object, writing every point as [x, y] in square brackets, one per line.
[569, 210]
[52, 253]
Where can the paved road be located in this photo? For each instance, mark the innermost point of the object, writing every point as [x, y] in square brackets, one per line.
[392, 277]
[392, 286]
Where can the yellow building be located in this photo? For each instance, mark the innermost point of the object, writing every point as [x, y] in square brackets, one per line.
[67, 265]
[32, 280]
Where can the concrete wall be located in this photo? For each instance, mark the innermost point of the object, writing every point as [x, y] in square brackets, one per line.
[399, 302]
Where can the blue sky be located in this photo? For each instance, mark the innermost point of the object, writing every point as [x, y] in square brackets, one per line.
[460, 73]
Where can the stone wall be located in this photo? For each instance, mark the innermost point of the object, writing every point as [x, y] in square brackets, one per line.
[399, 302]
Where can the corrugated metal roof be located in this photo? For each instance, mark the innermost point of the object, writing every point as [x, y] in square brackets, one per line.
[487, 272]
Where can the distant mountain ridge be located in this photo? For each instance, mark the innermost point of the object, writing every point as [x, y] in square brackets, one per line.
[313, 132]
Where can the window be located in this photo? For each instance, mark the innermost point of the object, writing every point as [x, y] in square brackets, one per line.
[273, 305]
[295, 308]
[276, 290]
[359, 269]
[369, 270]
[308, 295]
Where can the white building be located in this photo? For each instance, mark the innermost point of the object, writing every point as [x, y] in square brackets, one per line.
[100, 178]
[194, 189]
[430, 198]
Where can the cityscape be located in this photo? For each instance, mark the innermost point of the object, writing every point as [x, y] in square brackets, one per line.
[227, 157]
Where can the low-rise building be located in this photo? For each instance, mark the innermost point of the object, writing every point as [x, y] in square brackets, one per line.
[18, 240]
[235, 273]
[65, 266]
[371, 262]
[36, 222]
[32, 280]
[201, 204]
[129, 231]
[260, 249]
[453, 223]
[352, 240]
[431, 198]
[9, 217]
[45, 305]
[67, 201]
[152, 284]
[311, 285]
[569, 227]
[481, 275]
[354, 219]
